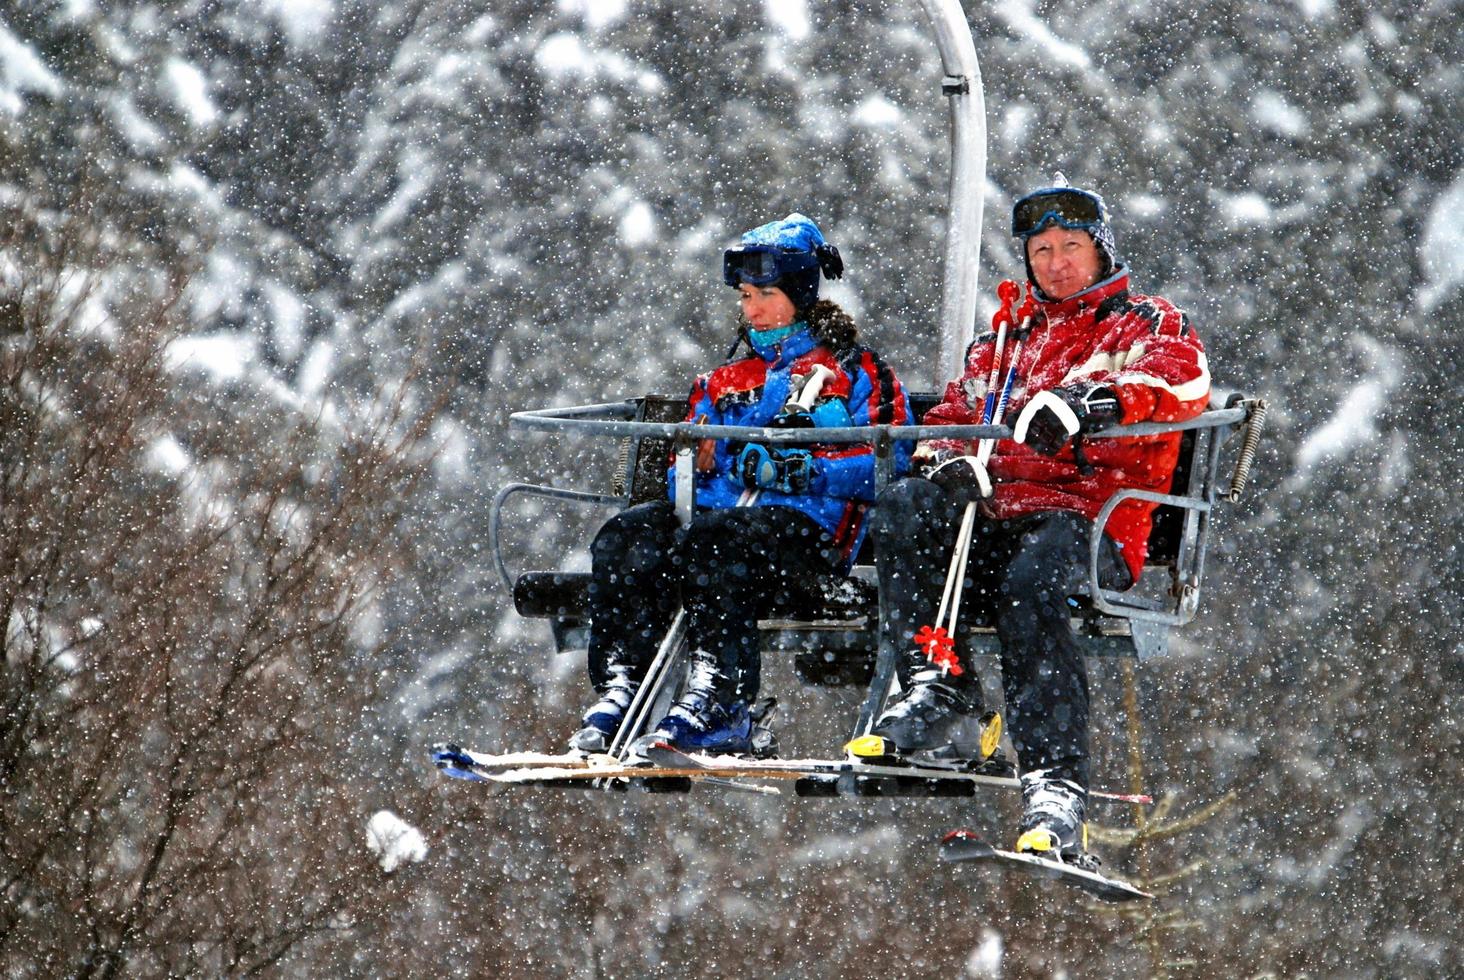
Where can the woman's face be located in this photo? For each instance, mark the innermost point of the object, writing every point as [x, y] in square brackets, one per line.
[765, 307]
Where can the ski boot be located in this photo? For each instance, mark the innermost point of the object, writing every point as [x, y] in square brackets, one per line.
[699, 722]
[1054, 823]
[604, 718]
[936, 722]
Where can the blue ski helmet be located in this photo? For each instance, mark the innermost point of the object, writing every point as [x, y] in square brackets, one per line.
[788, 254]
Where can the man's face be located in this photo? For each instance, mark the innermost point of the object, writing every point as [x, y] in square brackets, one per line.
[1064, 261]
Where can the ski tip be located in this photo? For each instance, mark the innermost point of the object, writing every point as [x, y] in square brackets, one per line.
[455, 762]
[1141, 799]
[445, 754]
[966, 845]
[455, 773]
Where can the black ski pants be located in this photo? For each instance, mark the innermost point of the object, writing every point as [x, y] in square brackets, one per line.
[1019, 573]
[729, 567]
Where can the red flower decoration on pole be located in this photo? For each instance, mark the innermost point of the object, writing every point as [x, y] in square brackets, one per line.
[939, 648]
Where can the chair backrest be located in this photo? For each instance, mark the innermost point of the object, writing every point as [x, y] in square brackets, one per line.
[644, 461]
[1167, 532]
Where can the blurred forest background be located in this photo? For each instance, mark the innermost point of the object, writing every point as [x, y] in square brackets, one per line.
[274, 273]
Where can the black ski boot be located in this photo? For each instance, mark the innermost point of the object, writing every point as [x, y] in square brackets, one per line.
[1054, 819]
[936, 720]
[605, 716]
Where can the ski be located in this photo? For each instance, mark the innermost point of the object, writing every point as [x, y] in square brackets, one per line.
[826, 778]
[812, 777]
[966, 845]
[827, 770]
[460, 763]
[592, 771]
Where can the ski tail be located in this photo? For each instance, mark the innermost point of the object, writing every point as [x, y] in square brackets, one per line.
[967, 845]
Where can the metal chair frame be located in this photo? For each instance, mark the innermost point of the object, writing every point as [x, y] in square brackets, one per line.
[1116, 623]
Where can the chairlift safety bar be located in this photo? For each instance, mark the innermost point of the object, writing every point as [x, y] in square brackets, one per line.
[616, 419]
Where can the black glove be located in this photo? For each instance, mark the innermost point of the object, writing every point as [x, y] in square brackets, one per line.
[785, 470]
[963, 478]
[792, 418]
[1051, 418]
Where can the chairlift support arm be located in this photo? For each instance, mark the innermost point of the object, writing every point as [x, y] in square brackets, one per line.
[967, 102]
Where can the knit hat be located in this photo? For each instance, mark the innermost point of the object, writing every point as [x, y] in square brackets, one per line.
[788, 254]
[1102, 235]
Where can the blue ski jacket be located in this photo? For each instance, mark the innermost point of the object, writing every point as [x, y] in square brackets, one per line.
[752, 390]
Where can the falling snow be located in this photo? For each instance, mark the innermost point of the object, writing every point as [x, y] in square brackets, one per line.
[351, 217]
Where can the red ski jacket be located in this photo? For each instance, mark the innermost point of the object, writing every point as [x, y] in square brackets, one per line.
[1144, 348]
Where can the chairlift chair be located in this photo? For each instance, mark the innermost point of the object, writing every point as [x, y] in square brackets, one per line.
[831, 630]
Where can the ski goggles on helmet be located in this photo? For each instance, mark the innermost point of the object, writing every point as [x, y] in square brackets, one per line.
[763, 264]
[1067, 206]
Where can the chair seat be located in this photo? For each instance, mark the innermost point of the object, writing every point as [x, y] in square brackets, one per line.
[835, 598]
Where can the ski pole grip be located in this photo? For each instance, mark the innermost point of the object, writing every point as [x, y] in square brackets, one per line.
[812, 387]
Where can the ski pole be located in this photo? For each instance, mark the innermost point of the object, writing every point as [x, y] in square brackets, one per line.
[963, 537]
[938, 643]
[986, 446]
[963, 547]
[650, 689]
[1008, 291]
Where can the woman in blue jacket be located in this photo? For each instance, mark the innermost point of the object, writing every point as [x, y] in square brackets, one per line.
[768, 518]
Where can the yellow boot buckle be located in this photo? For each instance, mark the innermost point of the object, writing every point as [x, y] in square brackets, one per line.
[870, 747]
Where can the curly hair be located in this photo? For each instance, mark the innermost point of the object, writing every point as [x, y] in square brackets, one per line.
[831, 325]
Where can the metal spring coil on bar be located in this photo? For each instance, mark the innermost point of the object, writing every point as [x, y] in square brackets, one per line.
[622, 463]
[1253, 425]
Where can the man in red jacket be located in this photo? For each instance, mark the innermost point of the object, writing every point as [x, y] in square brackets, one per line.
[1092, 355]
